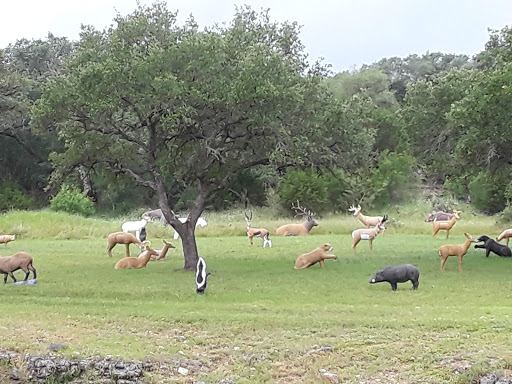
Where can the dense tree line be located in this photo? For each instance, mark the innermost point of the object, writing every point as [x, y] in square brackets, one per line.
[151, 113]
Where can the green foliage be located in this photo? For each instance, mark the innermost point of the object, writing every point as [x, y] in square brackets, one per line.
[393, 179]
[309, 188]
[71, 200]
[487, 193]
[12, 197]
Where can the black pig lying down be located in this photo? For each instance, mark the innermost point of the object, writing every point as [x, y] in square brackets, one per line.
[492, 246]
[394, 274]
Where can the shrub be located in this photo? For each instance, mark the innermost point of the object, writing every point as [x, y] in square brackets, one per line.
[71, 200]
[12, 197]
[487, 193]
[305, 186]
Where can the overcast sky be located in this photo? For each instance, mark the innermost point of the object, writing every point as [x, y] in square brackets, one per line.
[346, 33]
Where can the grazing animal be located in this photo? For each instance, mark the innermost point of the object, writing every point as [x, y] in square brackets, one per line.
[134, 226]
[368, 234]
[368, 221]
[143, 234]
[257, 232]
[201, 222]
[157, 215]
[7, 238]
[20, 260]
[438, 216]
[491, 245]
[136, 262]
[317, 256]
[458, 250]
[506, 234]
[160, 253]
[201, 276]
[445, 225]
[394, 274]
[122, 238]
[298, 229]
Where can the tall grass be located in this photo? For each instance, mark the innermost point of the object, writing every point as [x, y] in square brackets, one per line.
[260, 320]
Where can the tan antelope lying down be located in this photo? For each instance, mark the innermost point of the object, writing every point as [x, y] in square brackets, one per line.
[298, 229]
[368, 233]
[368, 221]
[257, 232]
[445, 225]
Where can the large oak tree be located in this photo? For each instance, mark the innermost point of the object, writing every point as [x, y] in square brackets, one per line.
[173, 106]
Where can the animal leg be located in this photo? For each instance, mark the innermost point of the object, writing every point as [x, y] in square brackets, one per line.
[460, 263]
[371, 244]
[33, 271]
[415, 285]
[5, 278]
[447, 233]
[354, 243]
[127, 250]
[394, 286]
[109, 249]
[507, 242]
[443, 261]
[487, 252]
[12, 276]
[321, 262]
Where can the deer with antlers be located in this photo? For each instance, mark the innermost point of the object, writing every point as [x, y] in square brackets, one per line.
[368, 221]
[298, 229]
[257, 232]
[368, 234]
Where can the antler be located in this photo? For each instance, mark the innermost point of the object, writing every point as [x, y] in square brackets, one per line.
[247, 217]
[302, 211]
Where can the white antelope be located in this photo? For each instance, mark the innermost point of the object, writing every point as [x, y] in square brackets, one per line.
[257, 232]
[368, 221]
[505, 235]
[368, 233]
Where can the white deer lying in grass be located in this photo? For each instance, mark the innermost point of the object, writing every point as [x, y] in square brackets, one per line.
[157, 215]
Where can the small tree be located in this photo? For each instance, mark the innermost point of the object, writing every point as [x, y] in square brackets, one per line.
[174, 107]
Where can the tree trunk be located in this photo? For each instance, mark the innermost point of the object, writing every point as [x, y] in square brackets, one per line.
[188, 242]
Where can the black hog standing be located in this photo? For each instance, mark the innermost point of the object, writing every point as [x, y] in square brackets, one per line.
[394, 274]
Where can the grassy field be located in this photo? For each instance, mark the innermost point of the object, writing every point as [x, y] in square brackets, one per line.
[260, 320]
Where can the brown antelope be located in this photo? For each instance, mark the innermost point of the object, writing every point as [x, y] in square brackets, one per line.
[160, 253]
[458, 250]
[505, 235]
[136, 262]
[123, 238]
[445, 225]
[257, 232]
[298, 229]
[368, 233]
[368, 221]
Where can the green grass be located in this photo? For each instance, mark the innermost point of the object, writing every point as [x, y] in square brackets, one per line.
[261, 320]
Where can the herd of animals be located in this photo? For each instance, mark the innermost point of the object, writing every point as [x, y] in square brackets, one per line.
[373, 226]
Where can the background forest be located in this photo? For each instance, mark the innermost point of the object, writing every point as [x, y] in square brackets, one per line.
[433, 126]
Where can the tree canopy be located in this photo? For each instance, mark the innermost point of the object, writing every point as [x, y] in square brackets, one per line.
[175, 107]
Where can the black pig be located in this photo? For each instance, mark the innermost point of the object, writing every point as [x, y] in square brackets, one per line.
[394, 274]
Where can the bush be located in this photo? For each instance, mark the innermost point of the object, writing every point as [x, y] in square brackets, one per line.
[71, 200]
[487, 193]
[12, 197]
[307, 187]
